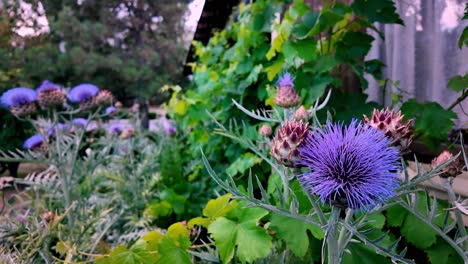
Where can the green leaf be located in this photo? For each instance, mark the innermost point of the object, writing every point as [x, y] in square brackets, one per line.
[383, 11]
[179, 233]
[220, 206]
[396, 215]
[440, 253]
[463, 41]
[326, 20]
[417, 232]
[306, 49]
[123, 255]
[252, 241]
[62, 247]
[360, 253]
[433, 122]
[353, 45]
[275, 68]
[294, 233]
[458, 83]
[242, 164]
[171, 253]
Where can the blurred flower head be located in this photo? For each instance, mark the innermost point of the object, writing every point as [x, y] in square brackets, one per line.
[110, 110]
[301, 114]
[83, 93]
[349, 166]
[19, 100]
[103, 98]
[265, 130]
[115, 128]
[81, 122]
[50, 95]
[286, 80]
[170, 130]
[33, 142]
[450, 170]
[286, 96]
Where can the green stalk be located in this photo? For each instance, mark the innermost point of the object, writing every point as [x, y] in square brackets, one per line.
[452, 199]
[333, 251]
[343, 237]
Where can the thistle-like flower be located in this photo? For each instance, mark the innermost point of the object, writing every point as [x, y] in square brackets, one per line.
[286, 96]
[103, 98]
[20, 101]
[80, 122]
[284, 147]
[83, 95]
[115, 129]
[35, 143]
[391, 123]
[50, 95]
[349, 166]
[265, 130]
[110, 110]
[451, 170]
[301, 114]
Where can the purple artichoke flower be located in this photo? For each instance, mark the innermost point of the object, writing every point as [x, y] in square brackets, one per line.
[82, 122]
[18, 97]
[33, 141]
[83, 93]
[349, 166]
[110, 110]
[115, 128]
[47, 86]
[286, 80]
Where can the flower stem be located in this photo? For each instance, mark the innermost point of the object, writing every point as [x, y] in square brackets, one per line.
[332, 241]
[343, 238]
[452, 199]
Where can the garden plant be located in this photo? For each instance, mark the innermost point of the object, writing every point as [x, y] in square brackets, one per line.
[268, 158]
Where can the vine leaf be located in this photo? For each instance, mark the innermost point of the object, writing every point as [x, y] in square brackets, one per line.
[251, 240]
[294, 233]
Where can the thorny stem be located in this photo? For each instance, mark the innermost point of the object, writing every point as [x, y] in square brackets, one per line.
[331, 239]
[447, 183]
[342, 240]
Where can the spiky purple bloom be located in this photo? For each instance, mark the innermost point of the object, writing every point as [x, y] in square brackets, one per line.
[115, 128]
[17, 97]
[82, 122]
[47, 86]
[82, 93]
[33, 141]
[110, 110]
[286, 80]
[349, 166]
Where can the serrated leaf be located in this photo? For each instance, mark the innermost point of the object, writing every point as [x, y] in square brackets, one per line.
[432, 121]
[458, 83]
[440, 253]
[463, 41]
[62, 247]
[396, 215]
[242, 164]
[353, 45]
[294, 233]
[251, 240]
[220, 206]
[171, 253]
[179, 233]
[275, 68]
[383, 11]
[123, 255]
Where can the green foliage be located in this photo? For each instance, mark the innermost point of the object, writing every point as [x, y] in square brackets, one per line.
[294, 233]
[383, 11]
[458, 83]
[242, 231]
[432, 123]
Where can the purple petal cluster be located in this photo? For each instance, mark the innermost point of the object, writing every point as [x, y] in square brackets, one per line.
[82, 122]
[33, 141]
[115, 128]
[17, 97]
[110, 110]
[286, 80]
[350, 166]
[47, 86]
[82, 93]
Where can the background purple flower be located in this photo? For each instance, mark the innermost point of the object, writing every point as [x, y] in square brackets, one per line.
[286, 80]
[47, 86]
[352, 166]
[34, 141]
[82, 93]
[80, 121]
[18, 96]
[110, 110]
[115, 128]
